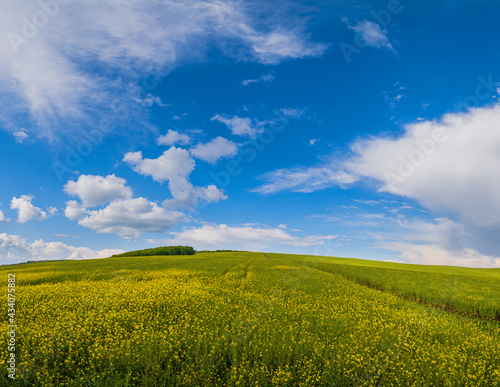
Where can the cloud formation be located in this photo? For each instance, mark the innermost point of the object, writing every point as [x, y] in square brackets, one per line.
[131, 218]
[27, 211]
[372, 34]
[264, 78]
[241, 236]
[121, 214]
[98, 190]
[214, 150]
[13, 248]
[175, 165]
[240, 126]
[20, 136]
[3, 219]
[302, 179]
[449, 166]
[173, 138]
[52, 48]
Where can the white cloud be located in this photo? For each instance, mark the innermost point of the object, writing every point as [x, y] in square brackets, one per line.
[264, 78]
[395, 95]
[302, 179]
[211, 194]
[450, 166]
[20, 135]
[214, 150]
[123, 215]
[372, 35]
[174, 166]
[245, 126]
[272, 48]
[253, 236]
[173, 138]
[240, 126]
[98, 190]
[14, 248]
[293, 112]
[27, 211]
[171, 165]
[3, 219]
[130, 218]
[48, 74]
[74, 210]
[446, 165]
[151, 100]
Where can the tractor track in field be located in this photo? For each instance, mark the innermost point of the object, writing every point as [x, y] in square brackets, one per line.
[246, 269]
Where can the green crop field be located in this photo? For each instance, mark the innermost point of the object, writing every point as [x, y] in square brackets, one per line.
[253, 319]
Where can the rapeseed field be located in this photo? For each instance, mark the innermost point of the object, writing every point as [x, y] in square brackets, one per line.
[238, 319]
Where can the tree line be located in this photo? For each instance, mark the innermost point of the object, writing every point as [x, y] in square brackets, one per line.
[164, 250]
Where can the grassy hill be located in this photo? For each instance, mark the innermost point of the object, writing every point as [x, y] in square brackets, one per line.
[254, 319]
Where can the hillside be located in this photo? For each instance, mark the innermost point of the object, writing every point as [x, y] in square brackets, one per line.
[248, 319]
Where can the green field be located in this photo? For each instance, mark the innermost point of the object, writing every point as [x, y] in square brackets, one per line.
[253, 319]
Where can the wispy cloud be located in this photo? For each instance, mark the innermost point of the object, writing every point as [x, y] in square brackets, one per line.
[372, 34]
[264, 78]
[302, 179]
[394, 95]
[48, 73]
[3, 219]
[21, 135]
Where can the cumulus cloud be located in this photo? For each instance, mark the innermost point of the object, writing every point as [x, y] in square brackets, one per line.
[131, 218]
[171, 165]
[173, 138]
[121, 214]
[74, 210]
[446, 165]
[27, 211]
[449, 166]
[14, 248]
[254, 236]
[50, 54]
[264, 78]
[175, 166]
[98, 190]
[372, 34]
[214, 150]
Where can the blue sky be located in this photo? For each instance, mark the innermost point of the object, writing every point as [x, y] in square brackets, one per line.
[361, 129]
